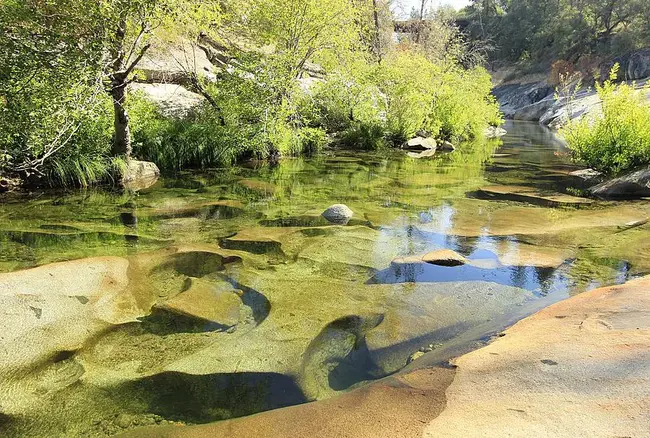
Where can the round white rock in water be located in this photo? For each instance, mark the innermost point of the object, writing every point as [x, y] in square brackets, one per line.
[338, 214]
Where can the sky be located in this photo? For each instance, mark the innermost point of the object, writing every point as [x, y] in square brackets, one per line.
[405, 5]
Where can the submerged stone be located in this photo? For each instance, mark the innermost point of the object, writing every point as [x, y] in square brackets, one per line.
[260, 186]
[532, 195]
[209, 301]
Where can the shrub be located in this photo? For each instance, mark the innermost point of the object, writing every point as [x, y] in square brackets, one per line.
[364, 136]
[312, 140]
[620, 139]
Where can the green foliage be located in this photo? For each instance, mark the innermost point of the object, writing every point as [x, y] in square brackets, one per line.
[545, 30]
[403, 95]
[618, 141]
[63, 87]
[51, 102]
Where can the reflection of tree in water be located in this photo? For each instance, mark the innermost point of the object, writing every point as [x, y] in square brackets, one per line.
[545, 277]
[519, 276]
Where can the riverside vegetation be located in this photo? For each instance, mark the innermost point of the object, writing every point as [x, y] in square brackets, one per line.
[67, 117]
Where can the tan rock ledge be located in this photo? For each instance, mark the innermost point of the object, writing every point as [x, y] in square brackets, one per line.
[532, 196]
[579, 368]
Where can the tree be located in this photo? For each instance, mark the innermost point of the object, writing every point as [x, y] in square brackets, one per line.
[50, 55]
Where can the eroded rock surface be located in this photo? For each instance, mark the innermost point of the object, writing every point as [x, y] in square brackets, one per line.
[532, 195]
[591, 377]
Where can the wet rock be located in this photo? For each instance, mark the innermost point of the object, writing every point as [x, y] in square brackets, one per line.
[633, 185]
[531, 195]
[494, 132]
[139, 175]
[338, 214]
[444, 257]
[446, 146]
[420, 144]
[586, 174]
[217, 303]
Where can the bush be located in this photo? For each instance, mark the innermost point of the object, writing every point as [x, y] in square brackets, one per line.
[364, 136]
[312, 140]
[407, 93]
[620, 139]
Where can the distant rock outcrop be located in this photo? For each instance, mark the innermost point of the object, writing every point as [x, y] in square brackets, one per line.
[633, 66]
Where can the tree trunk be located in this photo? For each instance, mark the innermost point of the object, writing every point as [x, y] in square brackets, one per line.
[377, 39]
[122, 139]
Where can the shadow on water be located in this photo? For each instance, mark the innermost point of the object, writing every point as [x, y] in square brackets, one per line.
[256, 301]
[205, 398]
[162, 323]
[338, 357]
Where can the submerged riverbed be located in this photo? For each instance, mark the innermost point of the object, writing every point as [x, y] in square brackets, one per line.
[224, 293]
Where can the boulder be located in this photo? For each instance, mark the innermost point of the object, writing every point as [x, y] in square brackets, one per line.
[139, 175]
[494, 132]
[444, 257]
[512, 97]
[633, 66]
[534, 112]
[633, 185]
[338, 214]
[638, 66]
[173, 100]
[446, 146]
[421, 144]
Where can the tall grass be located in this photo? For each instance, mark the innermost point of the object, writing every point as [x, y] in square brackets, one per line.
[84, 171]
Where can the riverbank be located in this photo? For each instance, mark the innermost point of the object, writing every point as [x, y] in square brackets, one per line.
[578, 368]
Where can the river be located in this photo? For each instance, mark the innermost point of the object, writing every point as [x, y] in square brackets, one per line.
[223, 293]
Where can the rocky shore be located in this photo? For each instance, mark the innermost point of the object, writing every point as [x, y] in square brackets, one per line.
[578, 368]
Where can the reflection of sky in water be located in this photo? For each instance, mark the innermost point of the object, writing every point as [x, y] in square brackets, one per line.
[484, 252]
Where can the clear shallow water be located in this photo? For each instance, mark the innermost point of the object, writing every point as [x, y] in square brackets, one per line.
[229, 294]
